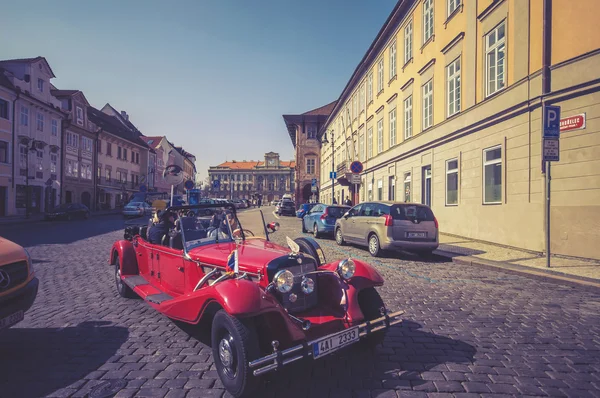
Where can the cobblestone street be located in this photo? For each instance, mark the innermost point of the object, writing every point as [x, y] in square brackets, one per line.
[467, 332]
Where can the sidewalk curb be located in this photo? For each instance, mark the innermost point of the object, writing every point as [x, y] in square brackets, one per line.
[42, 220]
[535, 273]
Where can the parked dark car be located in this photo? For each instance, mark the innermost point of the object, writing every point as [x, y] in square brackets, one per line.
[320, 220]
[68, 211]
[286, 207]
[304, 208]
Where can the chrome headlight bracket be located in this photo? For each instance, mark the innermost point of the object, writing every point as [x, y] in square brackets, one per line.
[346, 269]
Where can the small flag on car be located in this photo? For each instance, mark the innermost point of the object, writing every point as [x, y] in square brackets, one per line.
[233, 262]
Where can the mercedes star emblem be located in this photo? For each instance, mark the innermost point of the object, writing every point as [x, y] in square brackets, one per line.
[4, 279]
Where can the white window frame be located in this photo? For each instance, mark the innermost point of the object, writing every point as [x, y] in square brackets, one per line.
[53, 163]
[40, 85]
[8, 148]
[453, 71]
[449, 172]
[380, 70]
[393, 60]
[54, 128]
[380, 136]
[408, 42]
[427, 108]
[79, 114]
[369, 143]
[453, 6]
[354, 106]
[361, 145]
[39, 122]
[23, 156]
[408, 122]
[362, 97]
[370, 88]
[392, 123]
[494, 49]
[428, 20]
[24, 115]
[489, 163]
[311, 166]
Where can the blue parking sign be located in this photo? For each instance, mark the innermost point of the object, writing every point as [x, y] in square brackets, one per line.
[551, 121]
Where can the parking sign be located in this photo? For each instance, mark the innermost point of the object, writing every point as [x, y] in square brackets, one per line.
[551, 121]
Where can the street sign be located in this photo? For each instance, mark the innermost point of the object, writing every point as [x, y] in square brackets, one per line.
[551, 121]
[551, 149]
[313, 183]
[355, 179]
[332, 174]
[356, 167]
[314, 188]
[189, 184]
[143, 188]
[575, 122]
[216, 184]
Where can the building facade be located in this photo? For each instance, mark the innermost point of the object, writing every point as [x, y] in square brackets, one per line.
[445, 109]
[165, 155]
[7, 118]
[79, 150]
[303, 131]
[122, 164]
[269, 179]
[35, 153]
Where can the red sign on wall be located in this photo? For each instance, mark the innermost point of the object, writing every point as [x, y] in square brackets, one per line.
[576, 122]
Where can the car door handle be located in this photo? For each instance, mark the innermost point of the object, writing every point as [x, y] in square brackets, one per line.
[180, 269]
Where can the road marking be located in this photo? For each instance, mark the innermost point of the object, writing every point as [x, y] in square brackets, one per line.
[276, 216]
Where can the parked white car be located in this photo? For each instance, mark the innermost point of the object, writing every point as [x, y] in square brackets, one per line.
[137, 209]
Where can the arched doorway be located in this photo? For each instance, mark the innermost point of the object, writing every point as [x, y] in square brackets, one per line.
[307, 194]
[270, 198]
[86, 199]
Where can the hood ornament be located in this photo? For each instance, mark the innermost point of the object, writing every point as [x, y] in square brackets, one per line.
[292, 245]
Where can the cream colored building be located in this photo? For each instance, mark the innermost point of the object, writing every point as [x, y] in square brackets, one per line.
[445, 108]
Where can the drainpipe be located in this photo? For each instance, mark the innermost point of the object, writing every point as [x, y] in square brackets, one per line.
[546, 88]
[14, 133]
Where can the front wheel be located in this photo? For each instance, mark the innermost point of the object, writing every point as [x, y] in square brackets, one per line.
[234, 345]
[372, 306]
[122, 288]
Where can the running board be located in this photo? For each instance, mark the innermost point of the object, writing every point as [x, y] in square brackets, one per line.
[158, 298]
[133, 281]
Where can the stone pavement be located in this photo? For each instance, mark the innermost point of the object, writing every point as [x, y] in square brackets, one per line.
[469, 249]
[467, 331]
[11, 220]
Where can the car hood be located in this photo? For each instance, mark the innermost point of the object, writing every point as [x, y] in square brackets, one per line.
[10, 252]
[253, 254]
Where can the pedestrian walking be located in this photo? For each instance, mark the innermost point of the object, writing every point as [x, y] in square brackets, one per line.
[348, 201]
[335, 201]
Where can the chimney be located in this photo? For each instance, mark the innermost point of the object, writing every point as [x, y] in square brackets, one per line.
[125, 115]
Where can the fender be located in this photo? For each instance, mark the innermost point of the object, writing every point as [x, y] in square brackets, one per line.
[126, 252]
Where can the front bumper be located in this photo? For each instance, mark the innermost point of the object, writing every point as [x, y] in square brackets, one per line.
[408, 245]
[280, 358]
[19, 300]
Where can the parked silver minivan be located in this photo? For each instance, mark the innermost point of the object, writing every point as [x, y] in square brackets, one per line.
[389, 226]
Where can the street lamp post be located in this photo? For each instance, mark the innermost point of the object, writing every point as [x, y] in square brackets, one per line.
[325, 141]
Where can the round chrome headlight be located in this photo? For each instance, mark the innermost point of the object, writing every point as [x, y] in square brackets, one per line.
[346, 269]
[308, 285]
[284, 281]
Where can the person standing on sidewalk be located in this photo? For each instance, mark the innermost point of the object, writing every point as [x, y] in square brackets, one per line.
[348, 202]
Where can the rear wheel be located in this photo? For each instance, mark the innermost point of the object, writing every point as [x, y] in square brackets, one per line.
[374, 247]
[234, 345]
[122, 288]
[371, 305]
[304, 227]
[339, 238]
[316, 230]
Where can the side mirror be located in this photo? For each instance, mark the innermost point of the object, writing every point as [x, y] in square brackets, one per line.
[273, 226]
[347, 214]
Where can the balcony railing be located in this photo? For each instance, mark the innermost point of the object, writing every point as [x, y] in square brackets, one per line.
[342, 167]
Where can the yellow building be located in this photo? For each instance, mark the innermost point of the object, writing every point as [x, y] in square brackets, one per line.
[445, 108]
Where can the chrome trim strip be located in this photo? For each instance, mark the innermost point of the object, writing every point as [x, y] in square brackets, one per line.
[205, 278]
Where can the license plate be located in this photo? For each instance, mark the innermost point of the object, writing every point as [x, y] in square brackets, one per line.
[417, 234]
[11, 319]
[332, 343]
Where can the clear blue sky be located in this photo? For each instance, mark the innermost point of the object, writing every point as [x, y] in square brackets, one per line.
[213, 75]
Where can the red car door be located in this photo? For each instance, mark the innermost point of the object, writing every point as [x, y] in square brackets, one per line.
[144, 258]
[171, 269]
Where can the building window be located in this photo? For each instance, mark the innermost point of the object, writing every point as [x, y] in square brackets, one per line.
[370, 88]
[99, 146]
[370, 142]
[426, 188]
[495, 59]
[408, 117]
[392, 188]
[86, 144]
[370, 192]
[393, 60]
[107, 173]
[451, 182]
[24, 116]
[118, 152]
[4, 152]
[311, 132]
[380, 136]
[407, 180]
[99, 172]
[75, 168]
[53, 162]
[393, 127]
[354, 107]
[452, 6]
[23, 157]
[39, 167]
[361, 146]
[108, 149]
[361, 101]
[492, 175]
[79, 112]
[454, 87]
[379, 189]
[380, 76]
[3, 109]
[41, 85]
[124, 153]
[137, 158]
[428, 105]
[54, 127]
[72, 140]
[310, 166]
[40, 122]
[408, 42]
[427, 20]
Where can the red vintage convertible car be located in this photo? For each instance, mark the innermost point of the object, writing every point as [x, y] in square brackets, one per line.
[265, 305]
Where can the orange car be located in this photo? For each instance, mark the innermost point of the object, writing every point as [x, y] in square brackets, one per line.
[18, 284]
